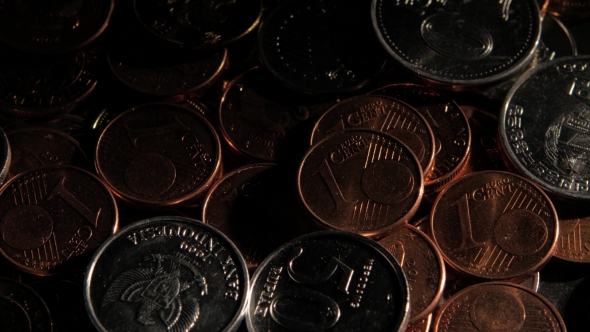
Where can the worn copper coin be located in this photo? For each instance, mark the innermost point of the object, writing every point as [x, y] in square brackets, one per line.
[494, 225]
[36, 147]
[158, 155]
[574, 241]
[5, 156]
[498, 306]
[545, 125]
[449, 126]
[384, 114]
[167, 274]
[570, 9]
[423, 266]
[52, 215]
[329, 281]
[22, 309]
[361, 181]
[53, 26]
[422, 325]
[256, 207]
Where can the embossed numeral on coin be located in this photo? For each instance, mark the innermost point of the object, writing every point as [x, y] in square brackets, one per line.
[328, 176]
[135, 134]
[61, 191]
[323, 276]
[467, 241]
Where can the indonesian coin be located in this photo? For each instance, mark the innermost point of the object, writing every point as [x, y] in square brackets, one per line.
[158, 155]
[21, 309]
[545, 125]
[423, 266]
[167, 274]
[329, 281]
[494, 225]
[199, 23]
[321, 47]
[449, 125]
[53, 215]
[53, 26]
[384, 114]
[498, 306]
[459, 44]
[360, 181]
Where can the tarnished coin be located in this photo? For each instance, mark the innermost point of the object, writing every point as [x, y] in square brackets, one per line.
[158, 155]
[167, 274]
[459, 44]
[574, 240]
[423, 266]
[258, 116]
[384, 114]
[33, 86]
[494, 225]
[22, 309]
[545, 125]
[36, 147]
[52, 215]
[498, 306]
[5, 156]
[360, 181]
[311, 46]
[423, 325]
[53, 26]
[570, 9]
[329, 281]
[256, 207]
[449, 126]
[200, 23]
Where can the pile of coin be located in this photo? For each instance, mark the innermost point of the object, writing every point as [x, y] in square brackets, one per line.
[294, 165]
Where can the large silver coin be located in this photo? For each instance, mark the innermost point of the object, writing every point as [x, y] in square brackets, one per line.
[545, 126]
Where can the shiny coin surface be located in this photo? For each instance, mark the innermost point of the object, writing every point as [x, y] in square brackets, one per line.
[335, 281]
[423, 266]
[36, 147]
[306, 44]
[22, 309]
[167, 274]
[53, 26]
[360, 181]
[256, 207]
[52, 215]
[497, 306]
[199, 24]
[494, 225]
[449, 126]
[158, 155]
[459, 44]
[384, 114]
[545, 125]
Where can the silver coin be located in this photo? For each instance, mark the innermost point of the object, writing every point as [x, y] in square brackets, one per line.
[167, 274]
[545, 126]
[329, 281]
[459, 44]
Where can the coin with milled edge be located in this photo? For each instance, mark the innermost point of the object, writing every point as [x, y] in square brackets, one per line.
[158, 155]
[545, 126]
[423, 266]
[52, 216]
[459, 44]
[449, 126]
[22, 309]
[498, 306]
[384, 114]
[311, 46]
[167, 274]
[360, 181]
[329, 281]
[199, 23]
[53, 26]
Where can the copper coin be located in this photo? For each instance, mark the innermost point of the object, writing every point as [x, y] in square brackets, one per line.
[158, 155]
[360, 181]
[36, 147]
[384, 114]
[574, 240]
[494, 225]
[256, 207]
[423, 224]
[52, 215]
[498, 306]
[423, 325]
[21, 309]
[569, 9]
[450, 127]
[423, 266]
